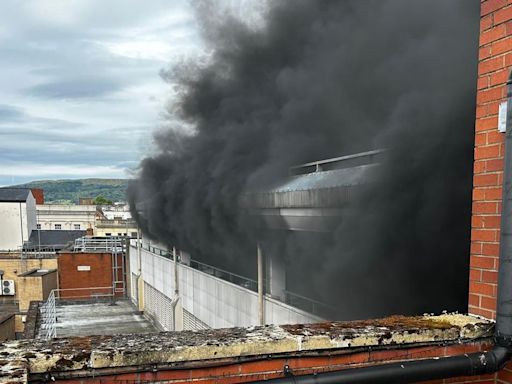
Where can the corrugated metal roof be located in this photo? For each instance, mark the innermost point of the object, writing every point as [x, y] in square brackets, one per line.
[14, 194]
[325, 179]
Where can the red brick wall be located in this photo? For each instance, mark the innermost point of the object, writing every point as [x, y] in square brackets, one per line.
[495, 62]
[268, 368]
[100, 274]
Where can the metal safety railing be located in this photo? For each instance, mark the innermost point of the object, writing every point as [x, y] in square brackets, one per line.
[338, 162]
[37, 251]
[206, 268]
[307, 304]
[156, 250]
[242, 281]
[94, 244]
[49, 309]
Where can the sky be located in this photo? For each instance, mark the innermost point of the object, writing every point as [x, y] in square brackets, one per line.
[81, 92]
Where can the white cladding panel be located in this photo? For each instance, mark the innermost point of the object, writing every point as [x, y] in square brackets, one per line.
[11, 225]
[215, 302]
[133, 259]
[30, 216]
[17, 221]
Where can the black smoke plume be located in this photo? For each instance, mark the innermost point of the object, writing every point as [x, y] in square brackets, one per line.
[321, 79]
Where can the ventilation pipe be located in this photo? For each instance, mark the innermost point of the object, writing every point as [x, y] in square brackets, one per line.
[176, 298]
[463, 365]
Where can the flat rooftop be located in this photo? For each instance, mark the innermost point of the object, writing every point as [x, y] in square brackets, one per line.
[103, 318]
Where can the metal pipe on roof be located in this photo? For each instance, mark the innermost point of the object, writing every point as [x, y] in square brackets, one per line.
[176, 277]
[410, 371]
[461, 365]
[338, 159]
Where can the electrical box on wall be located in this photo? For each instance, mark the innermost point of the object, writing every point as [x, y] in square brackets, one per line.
[502, 117]
[8, 288]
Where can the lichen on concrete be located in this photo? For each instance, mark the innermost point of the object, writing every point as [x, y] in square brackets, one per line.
[180, 348]
[13, 366]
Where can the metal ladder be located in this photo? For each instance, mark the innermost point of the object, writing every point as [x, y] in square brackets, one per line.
[118, 267]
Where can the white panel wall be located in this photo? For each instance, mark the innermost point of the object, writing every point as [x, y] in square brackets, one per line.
[11, 226]
[214, 301]
[30, 215]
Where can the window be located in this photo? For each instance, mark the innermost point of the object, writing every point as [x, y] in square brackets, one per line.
[77, 226]
[58, 226]
[38, 226]
[108, 234]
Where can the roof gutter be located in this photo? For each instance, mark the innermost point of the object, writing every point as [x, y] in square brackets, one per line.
[461, 365]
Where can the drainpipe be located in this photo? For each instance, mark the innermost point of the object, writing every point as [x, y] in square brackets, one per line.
[176, 274]
[176, 298]
[463, 365]
[139, 254]
[140, 281]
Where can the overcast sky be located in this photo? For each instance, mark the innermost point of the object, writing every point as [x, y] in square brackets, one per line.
[80, 87]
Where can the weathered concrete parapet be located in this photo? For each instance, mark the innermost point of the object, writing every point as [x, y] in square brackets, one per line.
[28, 357]
[13, 366]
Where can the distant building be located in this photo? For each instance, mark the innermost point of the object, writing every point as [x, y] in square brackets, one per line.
[85, 201]
[105, 227]
[118, 211]
[65, 217]
[17, 217]
[29, 278]
[35, 285]
[115, 220]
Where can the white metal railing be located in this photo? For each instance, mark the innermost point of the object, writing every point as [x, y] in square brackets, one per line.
[316, 166]
[309, 305]
[48, 312]
[91, 244]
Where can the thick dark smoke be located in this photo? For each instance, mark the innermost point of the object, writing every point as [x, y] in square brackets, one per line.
[324, 79]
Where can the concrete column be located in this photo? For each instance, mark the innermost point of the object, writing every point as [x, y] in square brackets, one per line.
[178, 316]
[261, 301]
[177, 307]
[140, 280]
[276, 275]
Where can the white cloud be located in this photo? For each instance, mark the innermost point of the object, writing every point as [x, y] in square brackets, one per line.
[76, 170]
[80, 83]
[151, 50]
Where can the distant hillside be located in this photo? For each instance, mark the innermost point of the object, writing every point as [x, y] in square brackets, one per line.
[69, 191]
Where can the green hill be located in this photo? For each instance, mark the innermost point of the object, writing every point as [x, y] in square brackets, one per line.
[69, 191]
